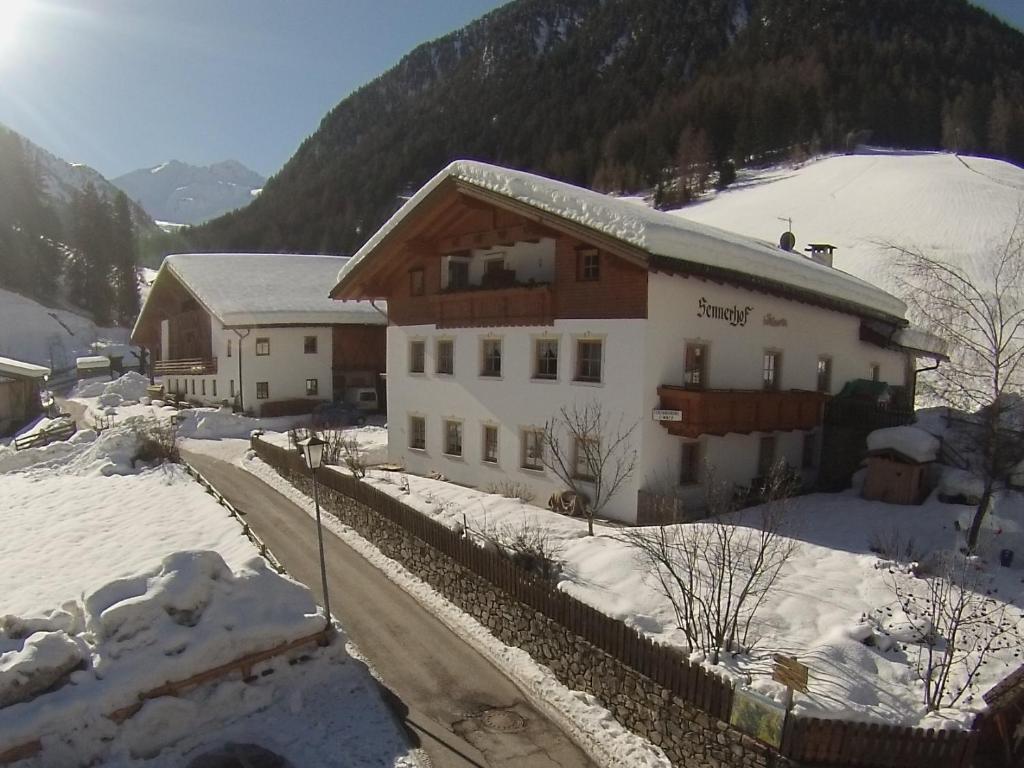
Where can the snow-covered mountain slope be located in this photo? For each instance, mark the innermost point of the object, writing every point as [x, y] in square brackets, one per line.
[936, 202]
[52, 337]
[61, 180]
[189, 194]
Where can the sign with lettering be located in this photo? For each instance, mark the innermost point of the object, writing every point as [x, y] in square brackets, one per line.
[662, 414]
[790, 672]
[734, 315]
[775, 322]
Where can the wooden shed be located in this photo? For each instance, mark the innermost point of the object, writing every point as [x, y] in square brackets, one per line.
[895, 478]
[20, 385]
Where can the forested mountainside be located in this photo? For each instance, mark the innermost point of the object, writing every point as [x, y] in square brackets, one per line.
[630, 94]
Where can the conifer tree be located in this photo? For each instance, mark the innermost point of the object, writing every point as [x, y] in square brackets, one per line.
[89, 276]
[124, 275]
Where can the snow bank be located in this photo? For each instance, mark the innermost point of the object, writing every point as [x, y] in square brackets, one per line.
[130, 387]
[912, 442]
[208, 424]
[190, 614]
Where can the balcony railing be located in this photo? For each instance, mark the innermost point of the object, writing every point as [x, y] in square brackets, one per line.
[720, 411]
[476, 307]
[195, 367]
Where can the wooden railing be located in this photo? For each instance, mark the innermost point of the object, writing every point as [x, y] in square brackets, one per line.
[196, 367]
[720, 411]
[477, 307]
[59, 431]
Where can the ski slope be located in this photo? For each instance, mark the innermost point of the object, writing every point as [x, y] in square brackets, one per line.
[940, 203]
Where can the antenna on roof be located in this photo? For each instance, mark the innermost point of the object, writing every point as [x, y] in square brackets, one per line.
[787, 241]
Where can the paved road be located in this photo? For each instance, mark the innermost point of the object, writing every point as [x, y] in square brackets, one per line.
[440, 684]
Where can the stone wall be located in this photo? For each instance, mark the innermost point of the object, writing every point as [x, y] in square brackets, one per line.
[688, 736]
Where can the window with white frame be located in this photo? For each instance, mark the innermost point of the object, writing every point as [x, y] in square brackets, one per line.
[490, 357]
[696, 374]
[231, 387]
[262, 346]
[262, 390]
[588, 264]
[545, 359]
[417, 432]
[453, 437]
[229, 348]
[585, 459]
[309, 345]
[588, 360]
[490, 444]
[417, 356]
[771, 370]
[533, 448]
[312, 387]
[445, 358]
[824, 374]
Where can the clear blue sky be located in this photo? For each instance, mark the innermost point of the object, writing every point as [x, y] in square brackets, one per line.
[124, 84]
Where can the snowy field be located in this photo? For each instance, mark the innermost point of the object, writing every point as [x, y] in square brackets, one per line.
[826, 604]
[116, 578]
[937, 202]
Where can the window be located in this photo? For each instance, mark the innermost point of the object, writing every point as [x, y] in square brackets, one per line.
[533, 449]
[809, 454]
[309, 345]
[585, 459]
[453, 438]
[213, 383]
[825, 374]
[490, 365]
[416, 282]
[417, 353]
[417, 433]
[262, 390]
[545, 365]
[262, 347]
[876, 372]
[193, 386]
[490, 444]
[695, 375]
[689, 467]
[766, 456]
[588, 360]
[445, 356]
[588, 264]
[494, 266]
[458, 273]
[312, 387]
[771, 370]
[229, 347]
[202, 384]
[231, 387]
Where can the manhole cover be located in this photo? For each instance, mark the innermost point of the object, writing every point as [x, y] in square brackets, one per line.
[504, 720]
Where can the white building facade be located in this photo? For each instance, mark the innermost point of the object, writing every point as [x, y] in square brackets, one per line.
[511, 297]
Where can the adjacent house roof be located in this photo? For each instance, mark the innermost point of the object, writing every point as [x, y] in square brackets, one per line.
[21, 370]
[671, 239]
[253, 289]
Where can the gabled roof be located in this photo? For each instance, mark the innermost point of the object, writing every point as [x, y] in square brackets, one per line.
[252, 289]
[22, 370]
[671, 240]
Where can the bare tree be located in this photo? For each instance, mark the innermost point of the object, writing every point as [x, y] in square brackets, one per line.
[959, 625]
[979, 310]
[717, 573]
[589, 452]
[353, 455]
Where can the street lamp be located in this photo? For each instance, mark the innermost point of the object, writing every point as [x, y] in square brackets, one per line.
[313, 452]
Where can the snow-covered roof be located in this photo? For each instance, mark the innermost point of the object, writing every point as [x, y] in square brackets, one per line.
[920, 340]
[914, 443]
[21, 369]
[657, 233]
[92, 361]
[262, 288]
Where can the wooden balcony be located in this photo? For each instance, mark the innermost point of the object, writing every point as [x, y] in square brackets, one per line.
[195, 367]
[720, 411]
[483, 307]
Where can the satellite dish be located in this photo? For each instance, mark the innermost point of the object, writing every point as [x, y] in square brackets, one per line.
[788, 241]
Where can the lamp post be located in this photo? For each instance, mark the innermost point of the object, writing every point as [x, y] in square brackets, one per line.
[313, 453]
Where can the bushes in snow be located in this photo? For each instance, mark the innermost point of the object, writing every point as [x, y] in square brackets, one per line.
[158, 442]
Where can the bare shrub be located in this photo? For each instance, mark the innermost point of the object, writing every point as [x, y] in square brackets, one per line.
[158, 442]
[354, 456]
[716, 574]
[892, 544]
[510, 489]
[961, 625]
[527, 544]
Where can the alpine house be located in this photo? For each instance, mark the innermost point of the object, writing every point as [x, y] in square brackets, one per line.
[258, 331]
[511, 295]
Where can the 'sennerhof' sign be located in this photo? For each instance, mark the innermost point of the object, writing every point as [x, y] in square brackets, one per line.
[734, 315]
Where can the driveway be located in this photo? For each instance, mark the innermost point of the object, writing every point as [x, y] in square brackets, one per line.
[461, 709]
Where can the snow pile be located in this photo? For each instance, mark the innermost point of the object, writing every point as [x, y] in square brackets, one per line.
[130, 387]
[960, 484]
[914, 443]
[188, 615]
[209, 424]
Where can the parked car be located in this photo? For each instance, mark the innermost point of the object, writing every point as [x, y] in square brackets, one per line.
[334, 415]
[363, 398]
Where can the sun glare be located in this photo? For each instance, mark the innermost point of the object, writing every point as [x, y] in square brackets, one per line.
[12, 15]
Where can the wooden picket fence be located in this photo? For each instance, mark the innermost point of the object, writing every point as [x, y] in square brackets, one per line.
[805, 739]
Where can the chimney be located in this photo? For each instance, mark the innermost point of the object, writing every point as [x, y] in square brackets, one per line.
[821, 252]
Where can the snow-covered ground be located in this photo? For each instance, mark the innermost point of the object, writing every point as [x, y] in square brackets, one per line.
[944, 204]
[116, 578]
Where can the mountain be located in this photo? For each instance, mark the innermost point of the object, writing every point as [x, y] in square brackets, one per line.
[623, 95]
[949, 206]
[188, 194]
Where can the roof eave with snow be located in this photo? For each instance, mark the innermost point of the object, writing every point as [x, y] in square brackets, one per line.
[22, 370]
